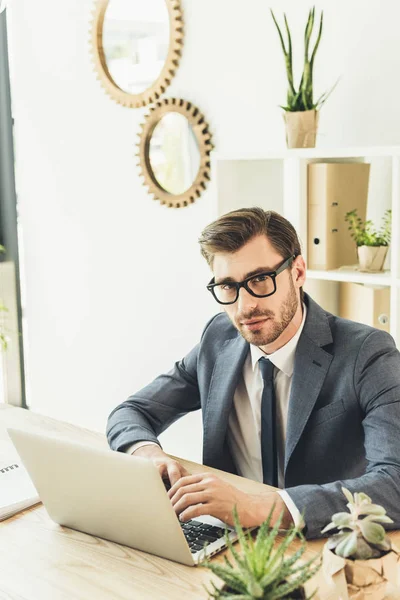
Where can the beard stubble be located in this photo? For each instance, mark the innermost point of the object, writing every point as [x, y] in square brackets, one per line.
[276, 326]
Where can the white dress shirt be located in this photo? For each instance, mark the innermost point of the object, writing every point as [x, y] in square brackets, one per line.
[244, 426]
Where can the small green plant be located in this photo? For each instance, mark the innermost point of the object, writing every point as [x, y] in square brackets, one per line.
[303, 98]
[360, 534]
[3, 309]
[364, 232]
[262, 570]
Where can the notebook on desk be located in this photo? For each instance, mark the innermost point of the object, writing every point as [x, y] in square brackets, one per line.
[16, 489]
[114, 496]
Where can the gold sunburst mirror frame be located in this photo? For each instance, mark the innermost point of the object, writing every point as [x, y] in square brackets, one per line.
[203, 139]
[158, 87]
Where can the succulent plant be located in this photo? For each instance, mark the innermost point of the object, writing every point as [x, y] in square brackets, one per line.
[361, 536]
[302, 99]
[261, 570]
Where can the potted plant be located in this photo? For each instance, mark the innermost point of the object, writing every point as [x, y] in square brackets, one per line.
[359, 559]
[262, 570]
[372, 245]
[301, 111]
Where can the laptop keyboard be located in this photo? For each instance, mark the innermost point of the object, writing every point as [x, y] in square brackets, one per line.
[197, 534]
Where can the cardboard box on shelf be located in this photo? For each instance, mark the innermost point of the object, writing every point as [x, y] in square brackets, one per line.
[365, 304]
[333, 190]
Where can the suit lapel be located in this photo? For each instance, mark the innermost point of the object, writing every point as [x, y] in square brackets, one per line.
[225, 378]
[310, 369]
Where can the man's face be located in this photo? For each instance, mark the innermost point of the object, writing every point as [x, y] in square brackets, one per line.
[261, 321]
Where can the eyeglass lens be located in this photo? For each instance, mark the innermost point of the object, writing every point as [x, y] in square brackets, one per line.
[260, 285]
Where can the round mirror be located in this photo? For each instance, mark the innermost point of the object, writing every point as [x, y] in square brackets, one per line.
[174, 151]
[137, 45]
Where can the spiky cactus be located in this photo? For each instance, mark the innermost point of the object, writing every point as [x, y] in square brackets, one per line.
[360, 534]
[302, 99]
[261, 570]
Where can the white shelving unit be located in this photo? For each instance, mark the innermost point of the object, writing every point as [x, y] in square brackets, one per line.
[278, 181]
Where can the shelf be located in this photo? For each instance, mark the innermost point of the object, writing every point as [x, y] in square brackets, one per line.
[311, 153]
[351, 274]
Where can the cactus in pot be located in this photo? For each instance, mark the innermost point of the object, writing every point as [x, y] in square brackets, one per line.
[262, 569]
[361, 535]
[301, 111]
[359, 557]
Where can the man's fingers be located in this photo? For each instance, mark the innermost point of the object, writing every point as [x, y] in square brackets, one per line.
[184, 472]
[187, 480]
[186, 489]
[162, 469]
[194, 511]
[171, 470]
[174, 473]
[190, 500]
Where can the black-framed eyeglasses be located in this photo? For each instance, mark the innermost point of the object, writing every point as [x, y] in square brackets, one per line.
[260, 285]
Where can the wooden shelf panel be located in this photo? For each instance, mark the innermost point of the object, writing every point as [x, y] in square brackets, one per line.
[351, 274]
[312, 153]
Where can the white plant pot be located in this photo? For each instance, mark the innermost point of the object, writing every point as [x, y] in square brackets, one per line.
[372, 258]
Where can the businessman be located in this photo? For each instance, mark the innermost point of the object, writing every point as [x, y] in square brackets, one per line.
[291, 395]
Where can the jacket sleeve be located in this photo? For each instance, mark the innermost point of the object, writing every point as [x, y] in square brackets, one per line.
[377, 385]
[146, 414]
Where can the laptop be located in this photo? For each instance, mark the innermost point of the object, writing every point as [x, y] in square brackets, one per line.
[114, 496]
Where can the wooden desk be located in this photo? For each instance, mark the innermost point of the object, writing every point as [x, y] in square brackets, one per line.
[39, 560]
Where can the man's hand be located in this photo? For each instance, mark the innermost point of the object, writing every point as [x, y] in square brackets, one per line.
[206, 494]
[168, 467]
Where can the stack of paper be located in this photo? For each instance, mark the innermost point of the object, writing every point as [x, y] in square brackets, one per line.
[17, 491]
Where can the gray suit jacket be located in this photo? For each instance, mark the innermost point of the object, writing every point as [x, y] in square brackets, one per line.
[344, 411]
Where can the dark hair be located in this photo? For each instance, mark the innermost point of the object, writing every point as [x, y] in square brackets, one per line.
[233, 230]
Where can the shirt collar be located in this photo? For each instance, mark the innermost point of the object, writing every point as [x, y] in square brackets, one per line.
[283, 358]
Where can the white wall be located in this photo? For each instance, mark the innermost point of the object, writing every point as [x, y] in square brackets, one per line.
[91, 235]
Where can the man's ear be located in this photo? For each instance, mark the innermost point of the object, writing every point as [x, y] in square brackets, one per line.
[299, 271]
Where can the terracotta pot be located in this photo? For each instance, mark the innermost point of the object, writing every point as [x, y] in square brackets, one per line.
[301, 128]
[372, 258]
[373, 579]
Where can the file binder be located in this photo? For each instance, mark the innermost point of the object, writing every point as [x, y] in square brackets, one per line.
[365, 304]
[333, 190]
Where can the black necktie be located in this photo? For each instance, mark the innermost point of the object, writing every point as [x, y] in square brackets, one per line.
[268, 429]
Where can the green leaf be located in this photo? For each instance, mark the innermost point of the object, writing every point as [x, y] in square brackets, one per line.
[335, 539]
[346, 492]
[279, 32]
[379, 519]
[329, 527]
[384, 546]
[324, 97]
[348, 545]
[372, 509]
[364, 551]
[318, 40]
[360, 497]
[342, 519]
[372, 532]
